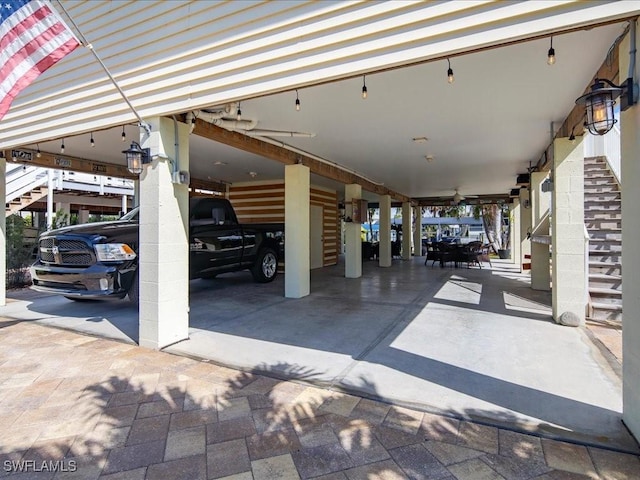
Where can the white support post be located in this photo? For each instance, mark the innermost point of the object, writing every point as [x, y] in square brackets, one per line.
[630, 168]
[125, 205]
[83, 216]
[525, 226]
[567, 251]
[540, 202]
[3, 234]
[353, 241]
[406, 231]
[515, 216]
[50, 180]
[385, 231]
[163, 262]
[297, 197]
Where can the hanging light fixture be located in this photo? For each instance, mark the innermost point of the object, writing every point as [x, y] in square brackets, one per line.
[137, 157]
[297, 101]
[239, 113]
[551, 54]
[124, 135]
[91, 142]
[599, 103]
[38, 153]
[364, 88]
[62, 146]
[450, 77]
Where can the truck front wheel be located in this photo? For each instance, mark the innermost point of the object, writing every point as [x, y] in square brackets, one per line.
[266, 266]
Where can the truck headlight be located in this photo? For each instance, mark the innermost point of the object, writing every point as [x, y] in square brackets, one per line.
[114, 252]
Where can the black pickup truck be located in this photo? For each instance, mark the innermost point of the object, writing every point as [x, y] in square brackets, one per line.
[99, 260]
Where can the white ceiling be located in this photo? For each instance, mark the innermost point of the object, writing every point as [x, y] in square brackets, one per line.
[483, 129]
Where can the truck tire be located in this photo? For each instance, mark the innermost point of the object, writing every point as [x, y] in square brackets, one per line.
[134, 291]
[266, 267]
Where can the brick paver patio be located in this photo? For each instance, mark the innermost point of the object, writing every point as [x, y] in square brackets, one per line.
[75, 406]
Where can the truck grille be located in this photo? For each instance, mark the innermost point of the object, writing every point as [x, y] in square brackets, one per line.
[58, 251]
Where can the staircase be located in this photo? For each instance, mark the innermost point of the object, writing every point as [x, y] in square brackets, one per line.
[24, 200]
[603, 219]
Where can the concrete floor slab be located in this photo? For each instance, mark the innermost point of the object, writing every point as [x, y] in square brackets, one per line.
[469, 343]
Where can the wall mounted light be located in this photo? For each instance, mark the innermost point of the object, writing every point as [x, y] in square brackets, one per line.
[599, 103]
[137, 157]
[450, 77]
[551, 54]
[297, 101]
[364, 87]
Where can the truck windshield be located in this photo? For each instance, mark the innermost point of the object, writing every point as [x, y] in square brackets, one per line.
[132, 215]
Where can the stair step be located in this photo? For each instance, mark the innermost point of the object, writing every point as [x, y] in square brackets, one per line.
[599, 173]
[597, 213]
[599, 180]
[602, 196]
[606, 311]
[605, 236]
[604, 293]
[591, 205]
[606, 223]
[601, 188]
[601, 280]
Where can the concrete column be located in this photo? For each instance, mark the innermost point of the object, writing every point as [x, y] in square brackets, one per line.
[630, 174]
[568, 255]
[50, 175]
[125, 205]
[297, 197]
[525, 225]
[136, 193]
[63, 207]
[83, 216]
[515, 216]
[3, 234]
[417, 231]
[406, 231]
[163, 262]
[352, 240]
[385, 231]
[540, 203]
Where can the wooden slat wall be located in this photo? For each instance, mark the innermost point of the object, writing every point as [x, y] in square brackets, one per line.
[329, 200]
[263, 202]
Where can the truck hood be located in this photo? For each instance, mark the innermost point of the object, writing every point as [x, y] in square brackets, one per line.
[117, 230]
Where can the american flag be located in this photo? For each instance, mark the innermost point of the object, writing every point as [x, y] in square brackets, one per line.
[32, 38]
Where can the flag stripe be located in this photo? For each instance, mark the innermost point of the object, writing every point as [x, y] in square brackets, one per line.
[33, 38]
[28, 21]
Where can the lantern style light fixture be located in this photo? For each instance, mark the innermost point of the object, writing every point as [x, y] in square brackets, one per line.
[137, 157]
[599, 103]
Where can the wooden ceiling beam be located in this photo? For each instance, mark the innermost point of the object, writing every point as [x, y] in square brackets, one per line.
[288, 157]
[66, 162]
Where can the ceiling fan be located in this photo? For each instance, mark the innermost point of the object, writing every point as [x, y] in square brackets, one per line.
[458, 198]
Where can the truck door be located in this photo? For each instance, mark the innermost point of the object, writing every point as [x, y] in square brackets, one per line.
[215, 239]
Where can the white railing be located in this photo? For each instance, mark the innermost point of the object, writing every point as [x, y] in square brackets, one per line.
[21, 179]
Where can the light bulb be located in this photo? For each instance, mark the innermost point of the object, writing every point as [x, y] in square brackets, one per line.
[364, 88]
[124, 135]
[93, 144]
[551, 57]
[239, 113]
[38, 153]
[450, 77]
[62, 146]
